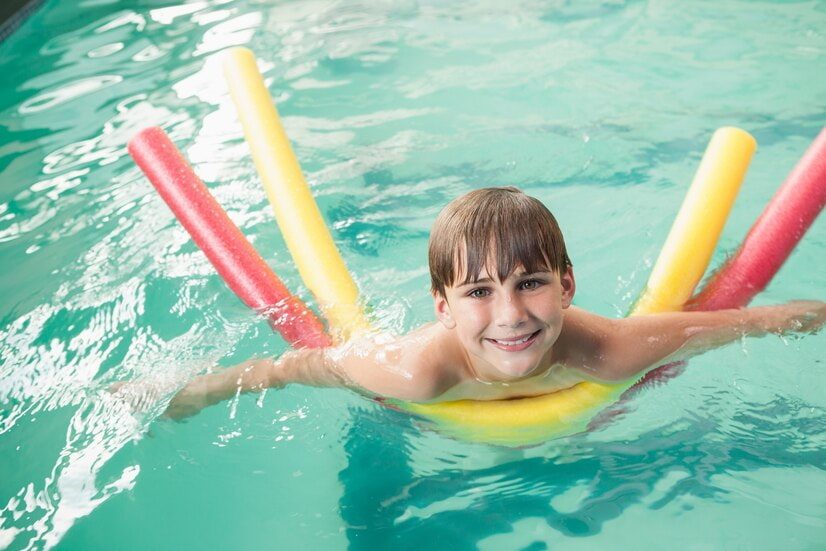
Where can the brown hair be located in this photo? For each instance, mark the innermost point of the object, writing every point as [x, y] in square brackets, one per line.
[499, 228]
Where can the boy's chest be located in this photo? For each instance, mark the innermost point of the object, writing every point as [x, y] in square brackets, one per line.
[556, 378]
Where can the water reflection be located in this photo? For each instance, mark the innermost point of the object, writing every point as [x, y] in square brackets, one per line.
[52, 98]
[574, 486]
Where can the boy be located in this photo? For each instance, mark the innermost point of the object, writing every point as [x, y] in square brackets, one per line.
[502, 286]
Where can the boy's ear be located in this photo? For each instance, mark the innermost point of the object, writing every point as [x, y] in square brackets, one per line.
[568, 287]
[442, 309]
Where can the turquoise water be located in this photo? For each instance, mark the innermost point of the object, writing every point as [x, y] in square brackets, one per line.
[601, 109]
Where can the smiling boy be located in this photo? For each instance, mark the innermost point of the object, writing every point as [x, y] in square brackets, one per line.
[502, 286]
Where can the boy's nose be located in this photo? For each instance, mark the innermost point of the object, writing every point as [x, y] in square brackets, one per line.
[511, 312]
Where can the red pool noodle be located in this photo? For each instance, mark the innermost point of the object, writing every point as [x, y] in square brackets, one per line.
[235, 259]
[773, 236]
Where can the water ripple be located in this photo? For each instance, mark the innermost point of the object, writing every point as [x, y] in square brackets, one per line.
[55, 97]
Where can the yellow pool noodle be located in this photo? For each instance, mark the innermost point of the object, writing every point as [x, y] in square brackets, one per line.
[299, 219]
[679, 268]
[699, 223]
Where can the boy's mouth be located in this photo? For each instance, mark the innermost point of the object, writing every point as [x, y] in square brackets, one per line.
[515, 344]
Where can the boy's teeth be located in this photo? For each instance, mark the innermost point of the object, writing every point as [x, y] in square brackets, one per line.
[514, 343]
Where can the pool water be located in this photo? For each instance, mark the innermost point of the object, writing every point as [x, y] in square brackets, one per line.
[600, 109]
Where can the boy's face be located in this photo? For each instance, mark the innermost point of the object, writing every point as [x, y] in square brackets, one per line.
[507, 328]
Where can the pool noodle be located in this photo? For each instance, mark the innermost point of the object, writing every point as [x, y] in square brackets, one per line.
[810, 170]
[704, 212]
[768, 244]
[724, 146]
[498, 413]
[299, 219]
[235, 259]
[774, 235]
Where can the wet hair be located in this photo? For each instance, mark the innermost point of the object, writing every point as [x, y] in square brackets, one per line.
[498, 228]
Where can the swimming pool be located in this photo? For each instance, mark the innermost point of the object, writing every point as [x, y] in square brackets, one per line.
[601, 110]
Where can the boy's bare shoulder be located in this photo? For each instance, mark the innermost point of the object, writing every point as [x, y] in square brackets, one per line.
[416, 366]
[583, 330]
[582, 342]
[436, 359]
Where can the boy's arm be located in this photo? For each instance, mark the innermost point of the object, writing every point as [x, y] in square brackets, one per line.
[404, 368]
[206, 390]
[625, 348]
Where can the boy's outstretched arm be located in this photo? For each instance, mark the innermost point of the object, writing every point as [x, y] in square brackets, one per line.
[397, 367]
[632, 345]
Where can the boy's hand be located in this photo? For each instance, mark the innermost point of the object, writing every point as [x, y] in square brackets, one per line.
[138, 395]
[186, 403]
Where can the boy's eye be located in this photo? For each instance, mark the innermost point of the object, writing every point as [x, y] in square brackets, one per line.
[530, 284]
[478, 293]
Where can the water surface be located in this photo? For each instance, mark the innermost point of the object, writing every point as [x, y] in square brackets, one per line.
[600, 109]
